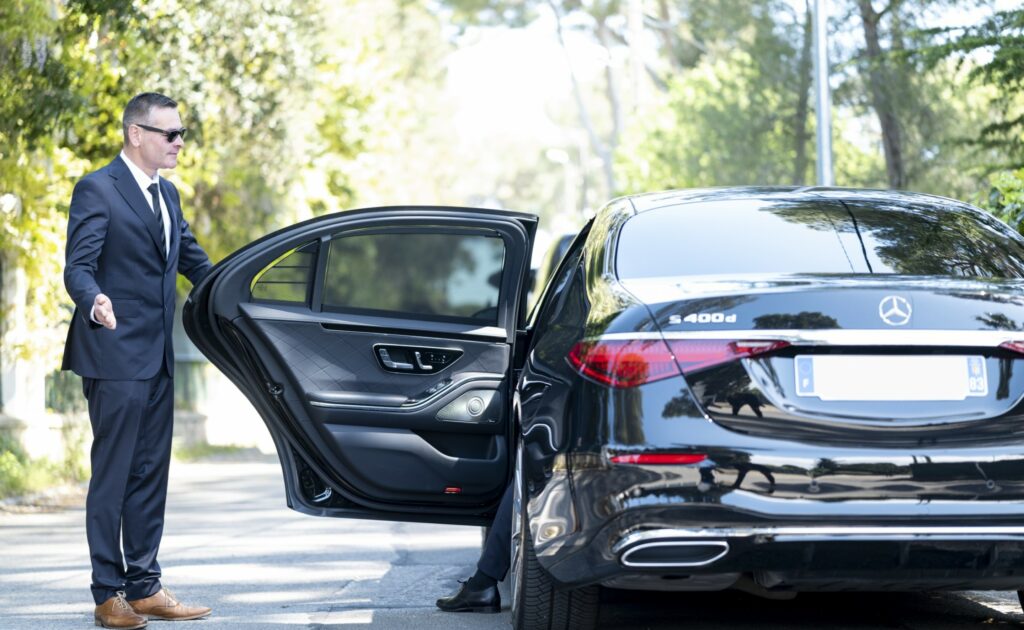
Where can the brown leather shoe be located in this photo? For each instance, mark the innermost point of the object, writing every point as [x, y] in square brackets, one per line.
[117, 613]
[163, 605]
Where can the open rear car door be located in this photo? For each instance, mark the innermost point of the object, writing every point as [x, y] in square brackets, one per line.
[377, 346]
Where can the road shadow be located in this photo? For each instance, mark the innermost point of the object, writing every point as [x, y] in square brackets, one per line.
[860, 610]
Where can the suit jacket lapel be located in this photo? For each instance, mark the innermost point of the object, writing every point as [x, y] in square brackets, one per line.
[129, 189]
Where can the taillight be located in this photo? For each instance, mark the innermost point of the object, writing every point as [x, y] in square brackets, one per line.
[632, 362]
[1014, 346]
[659, 458]
[697, 354]
[624, 363]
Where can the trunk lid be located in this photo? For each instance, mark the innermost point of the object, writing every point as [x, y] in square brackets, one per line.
[868, 357]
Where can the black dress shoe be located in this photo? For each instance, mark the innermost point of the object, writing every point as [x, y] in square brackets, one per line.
[486, 600]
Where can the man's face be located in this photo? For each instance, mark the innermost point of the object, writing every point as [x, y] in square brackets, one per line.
[154, 149]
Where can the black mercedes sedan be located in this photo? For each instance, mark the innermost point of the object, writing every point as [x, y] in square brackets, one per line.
[771, 389]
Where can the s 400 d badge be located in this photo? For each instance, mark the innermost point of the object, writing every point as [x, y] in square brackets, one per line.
[703, 318]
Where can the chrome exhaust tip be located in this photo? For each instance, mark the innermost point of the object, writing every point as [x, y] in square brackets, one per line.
[674, 553]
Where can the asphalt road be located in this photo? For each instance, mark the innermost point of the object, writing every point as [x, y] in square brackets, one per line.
[230, 543]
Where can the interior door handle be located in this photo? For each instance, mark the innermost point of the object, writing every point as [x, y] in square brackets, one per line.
[422, 360]
[426, 367]
[385, 358]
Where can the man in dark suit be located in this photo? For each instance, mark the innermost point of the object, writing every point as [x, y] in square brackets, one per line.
[127, 241]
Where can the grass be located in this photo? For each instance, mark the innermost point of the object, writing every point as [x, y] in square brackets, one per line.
[21, 474]
[194, 452]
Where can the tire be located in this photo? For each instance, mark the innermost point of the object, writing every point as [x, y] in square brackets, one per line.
[1020, 598]
[537, 604]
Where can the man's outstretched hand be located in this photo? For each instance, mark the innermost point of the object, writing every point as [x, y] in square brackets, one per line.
[103, 312]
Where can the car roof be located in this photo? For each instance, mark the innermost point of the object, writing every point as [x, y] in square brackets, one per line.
[650, 201]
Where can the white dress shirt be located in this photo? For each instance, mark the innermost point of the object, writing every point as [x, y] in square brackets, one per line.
[144, 181]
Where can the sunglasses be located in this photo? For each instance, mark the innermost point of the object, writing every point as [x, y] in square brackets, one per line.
[170, 134]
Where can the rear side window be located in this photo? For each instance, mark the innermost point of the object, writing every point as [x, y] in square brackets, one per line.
[442, 276]
[753, 236]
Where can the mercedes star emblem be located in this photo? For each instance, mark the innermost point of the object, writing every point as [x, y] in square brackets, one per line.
[894, 310]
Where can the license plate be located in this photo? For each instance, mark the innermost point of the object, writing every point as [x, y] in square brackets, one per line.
[881, 377]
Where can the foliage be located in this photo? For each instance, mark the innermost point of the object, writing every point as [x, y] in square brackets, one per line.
[48, 67]
[64, 393]
[20, 474]
[242, 73]
[693, 140]
[991, 51]
[250, 79]
[735, 109]
[1006, 197]
[735, 116]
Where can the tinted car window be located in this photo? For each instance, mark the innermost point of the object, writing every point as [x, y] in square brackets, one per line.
[445, 276]
[288, 278]
[757, 236]
[739, 236]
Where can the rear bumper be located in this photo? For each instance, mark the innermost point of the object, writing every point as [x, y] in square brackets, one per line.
[621, 532]
[800, 558]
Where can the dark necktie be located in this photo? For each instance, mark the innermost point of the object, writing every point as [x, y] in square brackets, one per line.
[155, 194]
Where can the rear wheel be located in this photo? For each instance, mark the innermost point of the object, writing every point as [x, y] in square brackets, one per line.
[536, 602]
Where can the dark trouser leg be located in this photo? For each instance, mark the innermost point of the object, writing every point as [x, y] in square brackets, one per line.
[146, 494]
[115, 412]
[495, 557]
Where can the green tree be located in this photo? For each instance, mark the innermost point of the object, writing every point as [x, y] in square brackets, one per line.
[740, 114]
[251, 77]
[58, 78]
[991, 52]
[918, 109]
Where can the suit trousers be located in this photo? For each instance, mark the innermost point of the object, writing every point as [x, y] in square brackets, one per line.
[132, 423]
[496, 555]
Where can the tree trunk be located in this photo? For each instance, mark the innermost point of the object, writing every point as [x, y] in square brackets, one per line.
[879, 81]
[611, 87]
[602, 149]
[665, 34]
[800, 134]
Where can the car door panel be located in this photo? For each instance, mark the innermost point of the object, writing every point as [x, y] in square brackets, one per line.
[420, 432]
[397, 463]
[344, 361]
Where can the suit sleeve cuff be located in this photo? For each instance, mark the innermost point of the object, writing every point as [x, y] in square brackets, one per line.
[91, 319]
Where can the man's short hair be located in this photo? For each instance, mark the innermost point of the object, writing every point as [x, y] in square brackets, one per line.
[137, 110]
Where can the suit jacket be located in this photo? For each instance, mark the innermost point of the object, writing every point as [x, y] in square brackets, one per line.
[113, 248]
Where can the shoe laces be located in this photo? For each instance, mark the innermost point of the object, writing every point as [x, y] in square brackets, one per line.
[171, 599]
[121, 602]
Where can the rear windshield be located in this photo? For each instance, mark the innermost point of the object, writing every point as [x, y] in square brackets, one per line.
[753, 236]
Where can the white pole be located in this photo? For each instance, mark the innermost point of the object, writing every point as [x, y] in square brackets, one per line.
[823, 96]
[635, 20]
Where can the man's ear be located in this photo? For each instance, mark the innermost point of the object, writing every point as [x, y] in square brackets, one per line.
[134, 136]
